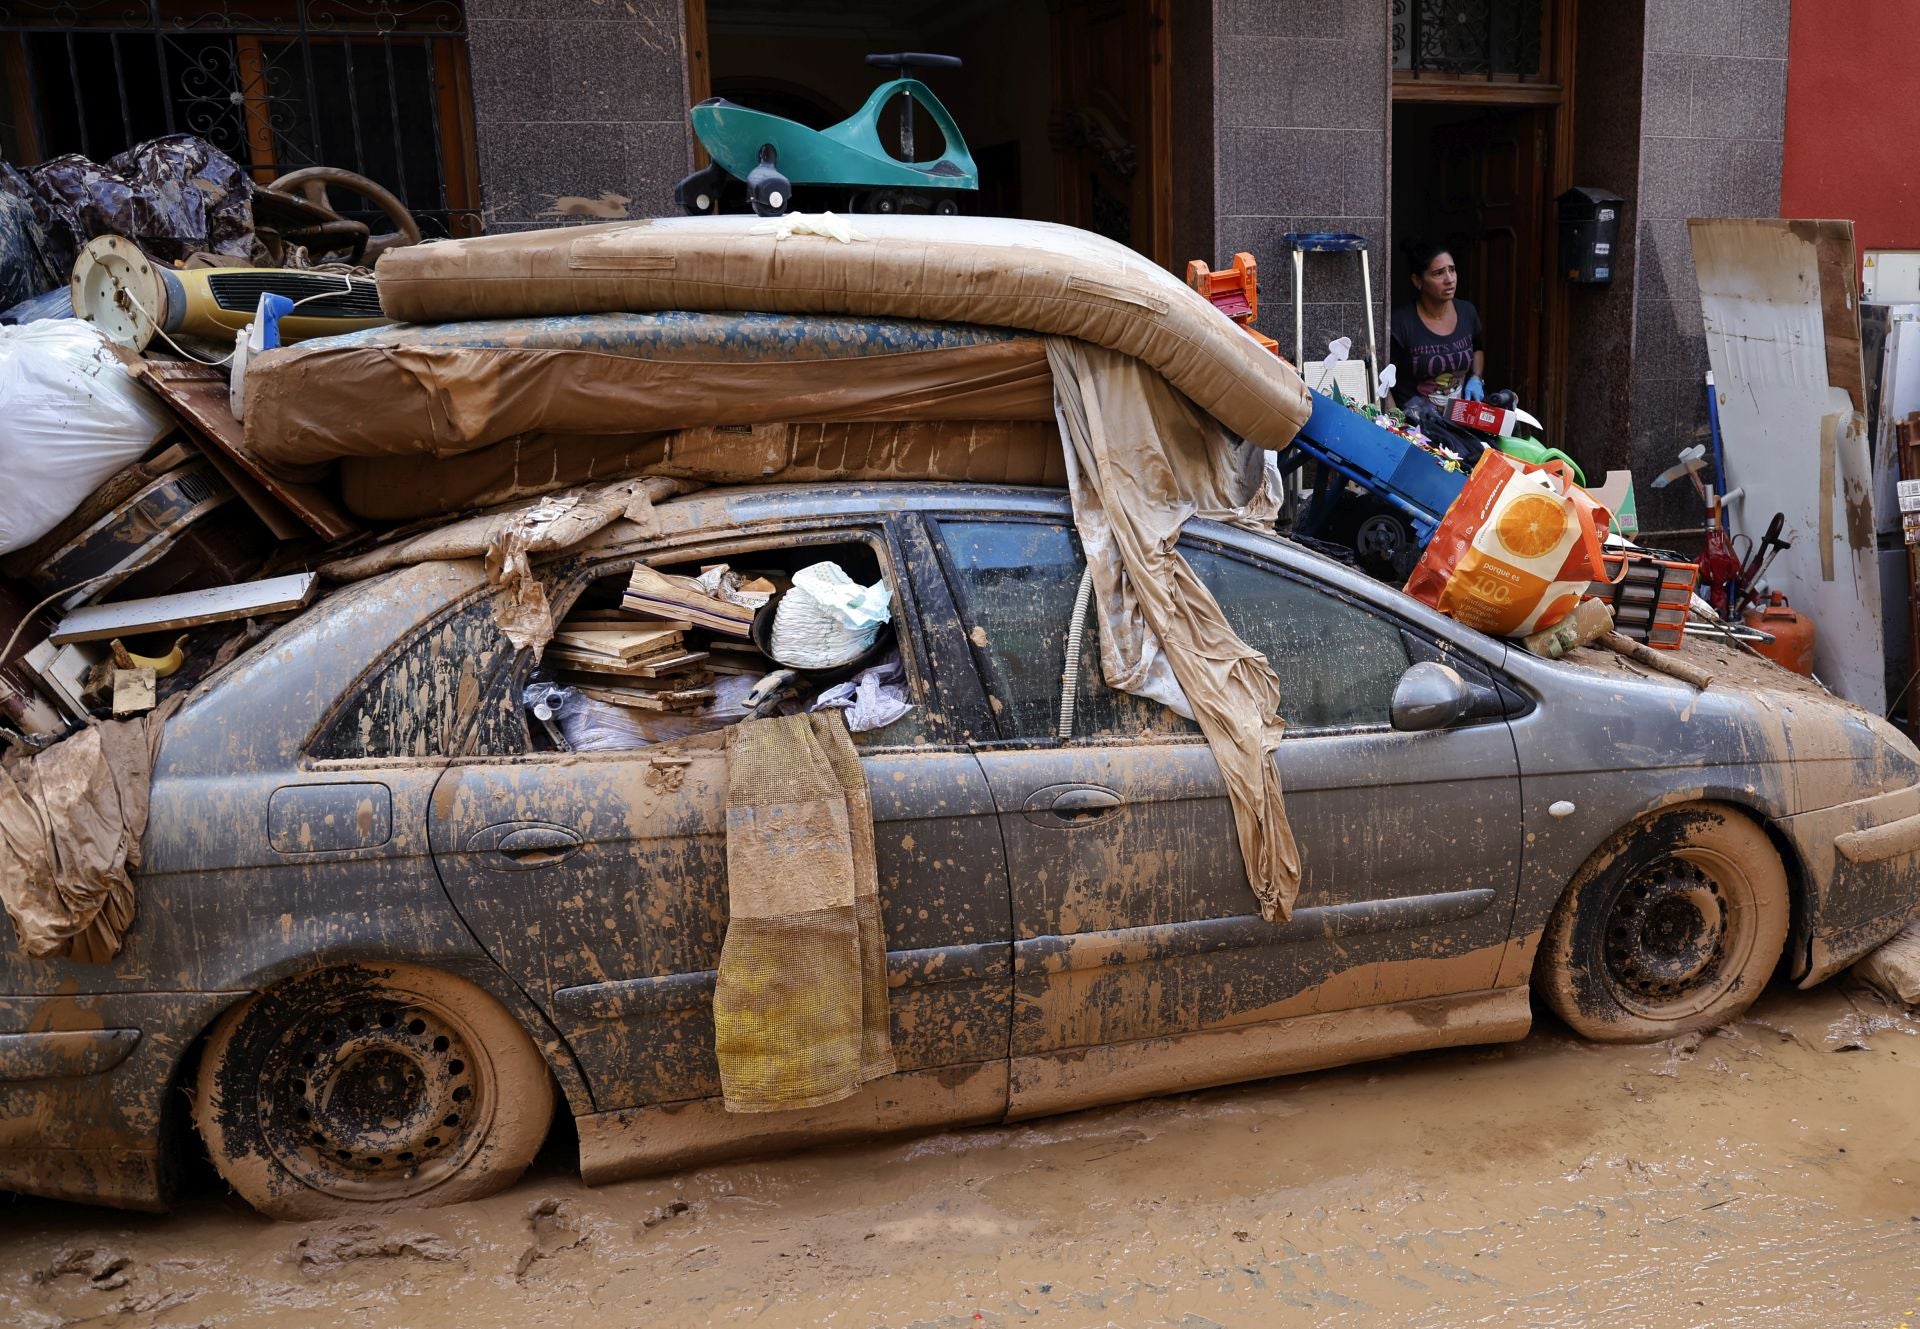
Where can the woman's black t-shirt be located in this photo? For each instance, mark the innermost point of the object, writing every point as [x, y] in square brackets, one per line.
[1426, 363]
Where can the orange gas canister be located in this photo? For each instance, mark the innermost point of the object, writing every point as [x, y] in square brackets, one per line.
[1792, 633]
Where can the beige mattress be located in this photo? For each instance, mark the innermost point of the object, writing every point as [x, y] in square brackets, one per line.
[1001, 273]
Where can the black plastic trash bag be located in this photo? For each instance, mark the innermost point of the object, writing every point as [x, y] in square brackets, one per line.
[173, 196]
[35, 253]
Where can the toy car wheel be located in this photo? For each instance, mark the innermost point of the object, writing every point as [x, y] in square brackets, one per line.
[883, 201]
[946, 207]
[1675, 924]
[359, 1089]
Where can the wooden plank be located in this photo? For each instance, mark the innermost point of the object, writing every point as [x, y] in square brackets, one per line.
[631, 644]
[1839, 305]
[684, 680]
[606, 664]
[650, 701]
[1829, 463]
[276, 516]
[198, 395]
[690, 661]
[187, 609]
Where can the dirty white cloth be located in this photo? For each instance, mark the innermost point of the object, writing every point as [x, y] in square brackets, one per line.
[74, 417]
[507, 537]
[71, 818]
[828, 619]
[874, 700]
[1141, 461]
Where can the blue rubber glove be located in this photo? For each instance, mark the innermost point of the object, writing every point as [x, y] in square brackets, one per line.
[1475, 389]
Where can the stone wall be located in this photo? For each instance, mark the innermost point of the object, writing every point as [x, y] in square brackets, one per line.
[579, 108]
[1301, 113]
[1712, 129]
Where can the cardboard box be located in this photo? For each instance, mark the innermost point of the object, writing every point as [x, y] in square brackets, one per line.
[1478, 415]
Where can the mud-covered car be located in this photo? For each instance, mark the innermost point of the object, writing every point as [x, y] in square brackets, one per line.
[383, 932]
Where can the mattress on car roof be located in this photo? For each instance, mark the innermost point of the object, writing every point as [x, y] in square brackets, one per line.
[1020, 452]
[446, 390]
[1000, 272]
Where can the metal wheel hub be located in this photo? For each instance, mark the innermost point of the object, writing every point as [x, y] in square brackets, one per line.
[371, 1089]
[1666, 935]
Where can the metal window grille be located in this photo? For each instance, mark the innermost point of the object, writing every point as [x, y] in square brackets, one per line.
[1472, 38]
[378, 87]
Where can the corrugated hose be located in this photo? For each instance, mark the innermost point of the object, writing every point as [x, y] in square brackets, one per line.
[1076, 630]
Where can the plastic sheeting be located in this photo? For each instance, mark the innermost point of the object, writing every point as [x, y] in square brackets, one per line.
[73, 418]
[173, 196]
[71, 818]
[983, 270]
[450, 390]
[1143, 462]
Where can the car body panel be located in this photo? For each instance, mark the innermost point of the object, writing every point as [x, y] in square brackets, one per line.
[1380, 957]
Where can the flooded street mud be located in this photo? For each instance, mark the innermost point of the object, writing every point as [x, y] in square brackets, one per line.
[1768, 1174]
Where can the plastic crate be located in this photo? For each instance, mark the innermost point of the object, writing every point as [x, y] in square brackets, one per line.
[1381, 459]
[1650, 602]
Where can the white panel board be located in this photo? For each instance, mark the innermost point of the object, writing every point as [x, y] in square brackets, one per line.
[1766, 339]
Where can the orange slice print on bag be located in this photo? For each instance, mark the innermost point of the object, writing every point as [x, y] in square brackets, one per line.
[1532, 525]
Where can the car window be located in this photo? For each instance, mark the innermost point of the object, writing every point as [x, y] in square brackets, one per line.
[1338, 662]
[1016, 583]
[575, 700]
[418, 700]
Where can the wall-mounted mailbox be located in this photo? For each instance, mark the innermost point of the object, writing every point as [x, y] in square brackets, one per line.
[1589, 233]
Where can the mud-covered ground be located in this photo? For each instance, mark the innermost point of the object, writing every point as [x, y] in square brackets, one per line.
[1765, 1175]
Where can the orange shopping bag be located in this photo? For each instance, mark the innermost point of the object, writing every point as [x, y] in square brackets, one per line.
[1516, 550]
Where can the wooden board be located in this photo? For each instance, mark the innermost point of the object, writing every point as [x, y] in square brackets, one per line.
[198, 395]
[650, 701]
[1840, 306]
[187, 609]
[605, 664]
[643, 639]
[689, 662]
[687, 681]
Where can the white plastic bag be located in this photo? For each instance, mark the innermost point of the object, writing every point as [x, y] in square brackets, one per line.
[828, 619]
[874, 700]
[73, 417]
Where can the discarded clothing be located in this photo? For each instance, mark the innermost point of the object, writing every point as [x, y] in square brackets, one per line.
[1141, 461]
[71, 819]
[874, 700]
[800, 1005]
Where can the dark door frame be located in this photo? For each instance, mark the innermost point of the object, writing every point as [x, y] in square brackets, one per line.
[1554, 93]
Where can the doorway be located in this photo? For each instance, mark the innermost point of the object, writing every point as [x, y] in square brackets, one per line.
[1474, 178]
[1065, 107]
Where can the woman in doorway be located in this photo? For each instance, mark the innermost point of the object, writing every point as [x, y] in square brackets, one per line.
[1436, 346]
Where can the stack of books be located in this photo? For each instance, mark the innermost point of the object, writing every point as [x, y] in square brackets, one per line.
[625, 661]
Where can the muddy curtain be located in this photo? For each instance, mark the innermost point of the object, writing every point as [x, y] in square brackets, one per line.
[1141, 461]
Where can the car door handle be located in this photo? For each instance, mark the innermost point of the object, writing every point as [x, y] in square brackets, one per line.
[1066, 806]
[1083, 804]
[537, 846]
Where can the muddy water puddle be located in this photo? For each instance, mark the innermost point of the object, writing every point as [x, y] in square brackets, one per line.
[1765, 1175]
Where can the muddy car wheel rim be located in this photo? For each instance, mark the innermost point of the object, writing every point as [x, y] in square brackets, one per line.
[1672, 936]
[373, 1097]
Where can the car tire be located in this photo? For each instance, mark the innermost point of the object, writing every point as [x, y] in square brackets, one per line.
[1675, 924]
[366, 1088]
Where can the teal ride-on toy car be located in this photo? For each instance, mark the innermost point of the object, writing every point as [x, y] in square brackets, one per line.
[772, 154]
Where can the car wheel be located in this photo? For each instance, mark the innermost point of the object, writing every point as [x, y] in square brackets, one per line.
[1674, 925]
[353, 1090]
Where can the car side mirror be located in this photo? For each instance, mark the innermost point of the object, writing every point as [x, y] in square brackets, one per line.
[1430, 696]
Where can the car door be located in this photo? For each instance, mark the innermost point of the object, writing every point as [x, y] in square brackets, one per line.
[1133, 918]
[598, 880]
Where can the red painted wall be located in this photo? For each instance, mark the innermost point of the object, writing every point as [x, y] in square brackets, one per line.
[1853, 118]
